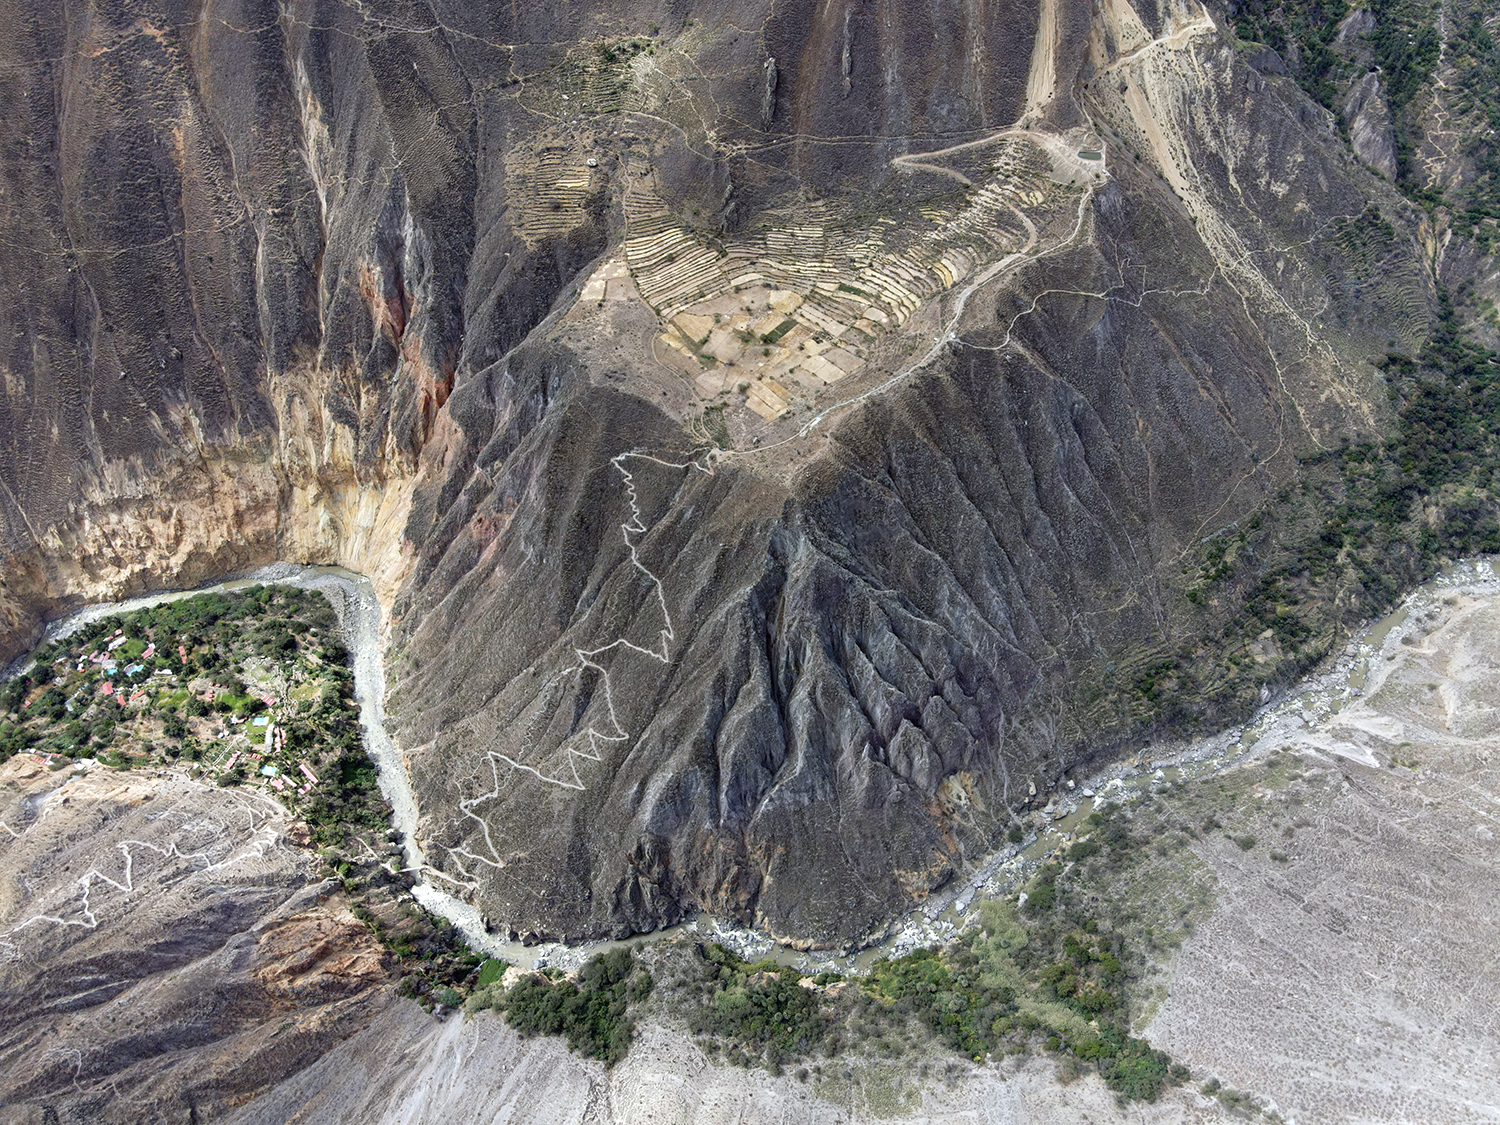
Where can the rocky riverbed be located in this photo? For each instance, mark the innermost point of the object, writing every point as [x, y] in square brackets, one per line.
[167, 954]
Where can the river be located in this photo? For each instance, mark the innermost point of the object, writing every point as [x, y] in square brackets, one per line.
[353, 600]
[1279, 722]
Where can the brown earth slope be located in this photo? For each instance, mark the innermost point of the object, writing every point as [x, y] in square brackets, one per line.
[164, 951]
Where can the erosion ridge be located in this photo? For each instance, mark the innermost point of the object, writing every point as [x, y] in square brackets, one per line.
[1320, 790]
[780, 441]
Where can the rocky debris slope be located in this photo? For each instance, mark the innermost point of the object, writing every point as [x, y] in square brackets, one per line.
[665, 1078]
[939, 594]
[165, 955]
[165, 952]
[1348, 972]
[297, 281]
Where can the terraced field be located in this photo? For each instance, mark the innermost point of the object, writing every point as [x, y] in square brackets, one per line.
[795, 304]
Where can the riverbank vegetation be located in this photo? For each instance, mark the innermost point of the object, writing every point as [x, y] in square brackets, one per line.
[245, 687]
[1050, 969]
[1280, 590]
[1061, 967]
[248, 688]
[252, 687]
[591, 1010]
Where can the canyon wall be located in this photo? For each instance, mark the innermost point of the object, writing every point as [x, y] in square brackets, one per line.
[305, 281]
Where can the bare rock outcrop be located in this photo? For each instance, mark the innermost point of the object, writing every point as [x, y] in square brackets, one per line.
[1371, 130]
[304, 281]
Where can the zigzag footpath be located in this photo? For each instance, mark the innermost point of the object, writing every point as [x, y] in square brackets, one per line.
[1281, 725]
[587, 658]
[353, 600]
[226, 852]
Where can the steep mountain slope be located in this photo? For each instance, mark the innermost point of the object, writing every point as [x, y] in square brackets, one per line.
[786, 439]
[166, 951]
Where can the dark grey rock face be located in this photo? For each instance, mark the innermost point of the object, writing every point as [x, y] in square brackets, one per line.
[292, 280]
[959, 563]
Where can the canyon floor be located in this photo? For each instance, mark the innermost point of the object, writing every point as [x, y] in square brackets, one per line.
[168, 953]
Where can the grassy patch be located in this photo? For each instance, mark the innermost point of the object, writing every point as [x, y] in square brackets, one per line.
[775, 335]
[491, 971]
[1062, 970]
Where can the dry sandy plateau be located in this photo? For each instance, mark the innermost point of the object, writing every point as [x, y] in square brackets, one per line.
[407, 1069]
[1350, 970]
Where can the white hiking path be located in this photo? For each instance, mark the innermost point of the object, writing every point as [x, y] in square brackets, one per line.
[1175, 38]
[1147, 90]
[262, 836]
[1062, 153]
[587, 659]
[353, 600]
[1106, 295]
[1057, 147]
[1232, 257]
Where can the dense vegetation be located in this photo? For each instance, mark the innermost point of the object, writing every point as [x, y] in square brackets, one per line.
[1301, 32]
[1364, 523]
[249, 687]
[1060, 968]
[1476, 97]
[246, 687]
[591, 1011]
[1054, 971]
[248, 681]
[1406, 47]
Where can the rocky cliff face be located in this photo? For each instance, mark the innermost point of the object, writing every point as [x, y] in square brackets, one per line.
[1023, 301]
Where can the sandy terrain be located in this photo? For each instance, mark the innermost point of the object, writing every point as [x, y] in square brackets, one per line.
[1356, 979]
[410, 1069]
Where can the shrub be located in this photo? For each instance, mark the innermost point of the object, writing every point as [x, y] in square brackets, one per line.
[1083, 849]
[592, 1014]
[759, 1006]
